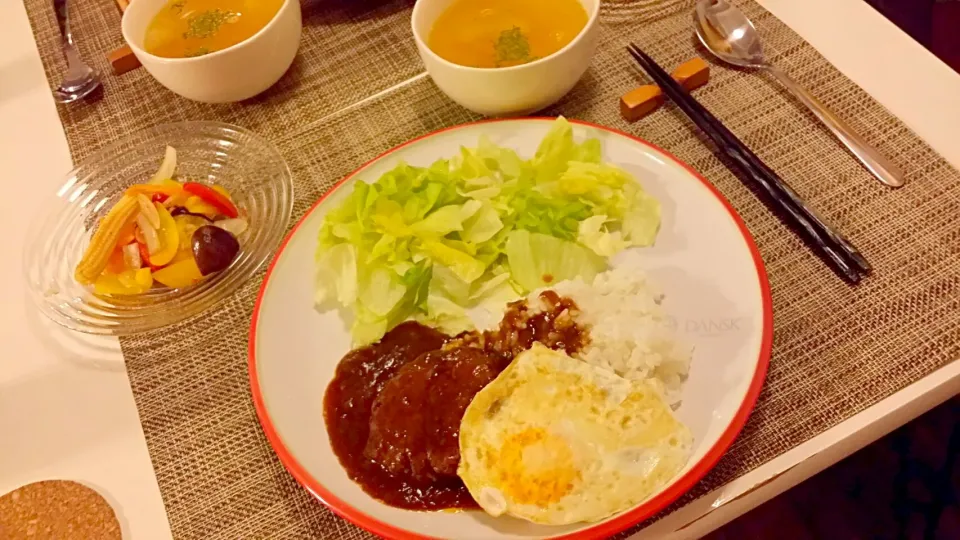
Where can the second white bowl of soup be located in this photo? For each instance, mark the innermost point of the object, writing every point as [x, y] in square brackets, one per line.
[214, 51]
[506, 57]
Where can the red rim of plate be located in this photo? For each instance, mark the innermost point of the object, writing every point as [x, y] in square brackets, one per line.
[600, 530]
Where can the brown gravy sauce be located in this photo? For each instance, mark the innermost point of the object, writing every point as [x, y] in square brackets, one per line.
[554, 326]
[398, 440]
[360, 377]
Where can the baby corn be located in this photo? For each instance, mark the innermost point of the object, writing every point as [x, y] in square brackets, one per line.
[105, 240]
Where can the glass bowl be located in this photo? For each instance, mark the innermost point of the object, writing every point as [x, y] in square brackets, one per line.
[249, 167]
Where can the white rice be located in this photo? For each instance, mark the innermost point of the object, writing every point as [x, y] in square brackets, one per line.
[629, 332]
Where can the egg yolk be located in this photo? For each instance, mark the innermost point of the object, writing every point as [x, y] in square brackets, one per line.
[536, 467]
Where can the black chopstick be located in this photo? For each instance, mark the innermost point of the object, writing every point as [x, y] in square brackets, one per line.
[832, 247]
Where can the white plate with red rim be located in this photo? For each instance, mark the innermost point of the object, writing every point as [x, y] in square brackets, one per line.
[704, 260]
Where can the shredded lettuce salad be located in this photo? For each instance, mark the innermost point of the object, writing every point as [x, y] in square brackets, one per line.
[479, 229]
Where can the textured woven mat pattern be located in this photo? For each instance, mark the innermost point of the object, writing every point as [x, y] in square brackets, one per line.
[356, 90]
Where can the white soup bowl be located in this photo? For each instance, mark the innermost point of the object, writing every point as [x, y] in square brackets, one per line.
[236, 73]
[508, 91]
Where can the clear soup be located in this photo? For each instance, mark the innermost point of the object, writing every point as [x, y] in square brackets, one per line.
[503, 33]
[185, 28]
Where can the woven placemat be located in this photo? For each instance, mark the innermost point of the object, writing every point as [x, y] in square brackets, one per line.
[837, 349]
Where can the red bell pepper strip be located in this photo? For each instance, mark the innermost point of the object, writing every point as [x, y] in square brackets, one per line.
[221, 203]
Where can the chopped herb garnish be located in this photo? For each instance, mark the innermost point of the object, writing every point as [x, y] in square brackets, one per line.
[178, 6]
[512, 47]
[199, 52]
[207, 23]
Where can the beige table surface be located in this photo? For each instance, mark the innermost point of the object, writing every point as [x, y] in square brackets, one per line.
[66, 409]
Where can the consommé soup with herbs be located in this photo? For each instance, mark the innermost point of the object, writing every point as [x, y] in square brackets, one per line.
[185, 28]
[502, 33]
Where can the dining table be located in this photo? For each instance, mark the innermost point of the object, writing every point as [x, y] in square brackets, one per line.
[69, 407]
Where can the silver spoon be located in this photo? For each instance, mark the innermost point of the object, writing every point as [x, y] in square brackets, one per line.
[727, 33]
[79, 79]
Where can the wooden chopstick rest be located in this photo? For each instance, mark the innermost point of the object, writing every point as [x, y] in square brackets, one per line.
[123, 60]
[640, 102]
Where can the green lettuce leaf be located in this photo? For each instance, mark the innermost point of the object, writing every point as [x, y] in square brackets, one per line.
[539, 260]
[336, 277]
[476, 231]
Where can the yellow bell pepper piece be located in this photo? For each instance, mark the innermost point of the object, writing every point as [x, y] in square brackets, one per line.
[187, 225]
[169, 188]
[196, 205]
[169, 238]
[144, 278]
[110, 284]
[222, 190]
[182, 255]
[170, 183]
[127, 282]
[179, 274]
[177, 200]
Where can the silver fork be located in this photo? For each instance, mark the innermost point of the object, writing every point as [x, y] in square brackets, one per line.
[79, 79]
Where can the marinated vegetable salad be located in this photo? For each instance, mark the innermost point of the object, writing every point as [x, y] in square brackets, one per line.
[165, 232]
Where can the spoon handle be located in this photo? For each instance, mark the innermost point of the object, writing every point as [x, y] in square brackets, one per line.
[62, 10]
[881, 167]
[75, 65]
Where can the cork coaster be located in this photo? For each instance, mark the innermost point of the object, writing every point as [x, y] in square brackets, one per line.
[57, 510]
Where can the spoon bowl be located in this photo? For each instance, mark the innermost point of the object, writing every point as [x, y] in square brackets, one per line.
[78, 83]
[730, 36]
[727, 33]
[79, 79]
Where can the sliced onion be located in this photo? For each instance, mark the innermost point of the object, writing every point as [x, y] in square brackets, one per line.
[149, 234]
[234, 226]
[131, 256]
[167, 167]
[148, 210]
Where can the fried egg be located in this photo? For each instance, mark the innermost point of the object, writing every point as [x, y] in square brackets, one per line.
[555, 440]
